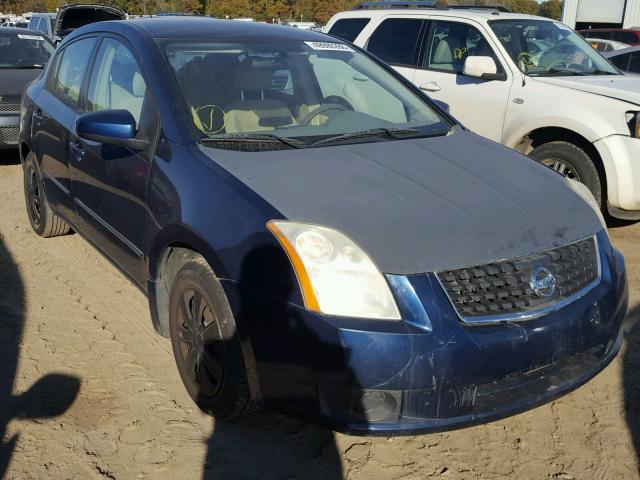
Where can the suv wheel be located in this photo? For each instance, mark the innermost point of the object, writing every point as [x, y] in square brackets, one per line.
[205, 344]
[41, 216]
[572, 162]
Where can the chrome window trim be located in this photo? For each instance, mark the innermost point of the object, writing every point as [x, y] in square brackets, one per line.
[533, 314]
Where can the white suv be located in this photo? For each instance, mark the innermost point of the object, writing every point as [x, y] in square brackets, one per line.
[527, 82]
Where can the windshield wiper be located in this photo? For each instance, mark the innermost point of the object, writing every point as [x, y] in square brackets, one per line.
[395, 133]
[26, 67]
[567, 72]
[252, 137]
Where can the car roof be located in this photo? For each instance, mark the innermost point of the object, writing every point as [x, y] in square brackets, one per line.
[203, 27]
[472, 14]
[17, 30]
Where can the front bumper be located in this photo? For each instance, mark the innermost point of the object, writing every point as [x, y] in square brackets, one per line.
[621, 158]
[9, 130]
[429, 372]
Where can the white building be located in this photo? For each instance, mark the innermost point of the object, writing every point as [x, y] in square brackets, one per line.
[582, 14]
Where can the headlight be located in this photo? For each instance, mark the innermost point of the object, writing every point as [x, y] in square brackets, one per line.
[633, 121]
[336, 276]
[584, 192]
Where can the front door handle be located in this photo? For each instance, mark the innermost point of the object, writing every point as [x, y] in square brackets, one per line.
[38, 114]
[76, 147]
[430, 87]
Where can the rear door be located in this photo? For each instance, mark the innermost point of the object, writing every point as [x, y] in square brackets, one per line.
[110, 182]
[479, 104]
[54, 115]
[396, 42]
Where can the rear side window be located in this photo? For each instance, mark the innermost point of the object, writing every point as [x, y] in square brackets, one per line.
[348, 28]
[395, 41]
[626, 37]
[71, 69]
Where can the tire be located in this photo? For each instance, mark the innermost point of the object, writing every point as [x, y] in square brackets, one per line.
[573, 162]
[205, 345]
[42, 218]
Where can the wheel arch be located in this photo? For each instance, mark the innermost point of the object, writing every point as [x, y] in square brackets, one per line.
[543, 135]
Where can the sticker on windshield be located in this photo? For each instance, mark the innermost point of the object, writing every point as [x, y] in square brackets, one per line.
[30, 37]
[336, 47]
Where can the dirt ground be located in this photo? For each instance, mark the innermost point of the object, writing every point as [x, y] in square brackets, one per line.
[88, 390]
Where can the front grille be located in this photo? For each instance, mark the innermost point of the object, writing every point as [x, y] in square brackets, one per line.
[9, 107]
[10, 135]
[506, 288]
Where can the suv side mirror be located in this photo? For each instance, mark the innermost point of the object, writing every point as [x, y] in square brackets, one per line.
[481, 67]
[112, 127]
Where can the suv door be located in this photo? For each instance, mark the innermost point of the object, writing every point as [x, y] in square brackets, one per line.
[478, 103]
[54, 115]
[110, 182]
[395, 41]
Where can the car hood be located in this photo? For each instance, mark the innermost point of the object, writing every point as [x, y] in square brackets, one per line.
[620, 87]
[71, 17]
[12, 82]
[421, 205]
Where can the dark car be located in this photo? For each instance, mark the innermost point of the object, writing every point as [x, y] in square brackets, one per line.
[313, 233]
[74, 16]
[627, 59]
[623, 35]
[23, 54]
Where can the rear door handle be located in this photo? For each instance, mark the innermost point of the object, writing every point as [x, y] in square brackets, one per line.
[430, 87]
[76, 147]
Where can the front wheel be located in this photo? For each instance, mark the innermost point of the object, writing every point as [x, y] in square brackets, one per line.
[572, 162]
[205, 344]
[42, 218]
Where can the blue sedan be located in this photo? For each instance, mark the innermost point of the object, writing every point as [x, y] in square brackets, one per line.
[313, 233]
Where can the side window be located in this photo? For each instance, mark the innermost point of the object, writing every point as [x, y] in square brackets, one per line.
[71, 67]
[634, 64]
[42, 25]
[395, 40]
[621, 61]
[116, 81]
[348, 28]
[450, 43]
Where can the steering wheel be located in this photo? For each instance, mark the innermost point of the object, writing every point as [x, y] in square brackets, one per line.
[327, 107]
[557, 63]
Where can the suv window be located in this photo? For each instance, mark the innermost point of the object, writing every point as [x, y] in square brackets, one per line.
[348, 28]
[70, 69]
[395, 40]
[634, 64]
[621, 61]
[450, 43]
[626, 37]
[117, 81]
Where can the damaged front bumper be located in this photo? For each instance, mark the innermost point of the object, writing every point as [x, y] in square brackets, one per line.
[429, 372]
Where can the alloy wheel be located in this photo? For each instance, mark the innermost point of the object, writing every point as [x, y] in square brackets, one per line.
[562, 167]
[34, 196]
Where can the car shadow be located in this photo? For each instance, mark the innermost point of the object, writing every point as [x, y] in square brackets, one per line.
[631, 376]
[52, 394]
[9, 157]
[267, 445]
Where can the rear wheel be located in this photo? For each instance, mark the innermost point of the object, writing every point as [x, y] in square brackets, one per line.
[572, 162]
[41, 216]
[205, 345]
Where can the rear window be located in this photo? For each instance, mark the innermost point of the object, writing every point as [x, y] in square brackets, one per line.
[348, 28]
[395, 41]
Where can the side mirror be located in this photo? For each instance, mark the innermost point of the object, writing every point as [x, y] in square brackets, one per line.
[111, 127]
[481, 67]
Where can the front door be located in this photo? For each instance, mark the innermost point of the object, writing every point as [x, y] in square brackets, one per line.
[109, 182]
[479, 104]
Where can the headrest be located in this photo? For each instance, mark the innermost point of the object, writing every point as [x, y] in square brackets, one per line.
[252, 75]
[138, 85]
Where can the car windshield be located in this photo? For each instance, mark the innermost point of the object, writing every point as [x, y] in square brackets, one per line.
[18, 50]
[296, 94]
[542, 48]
